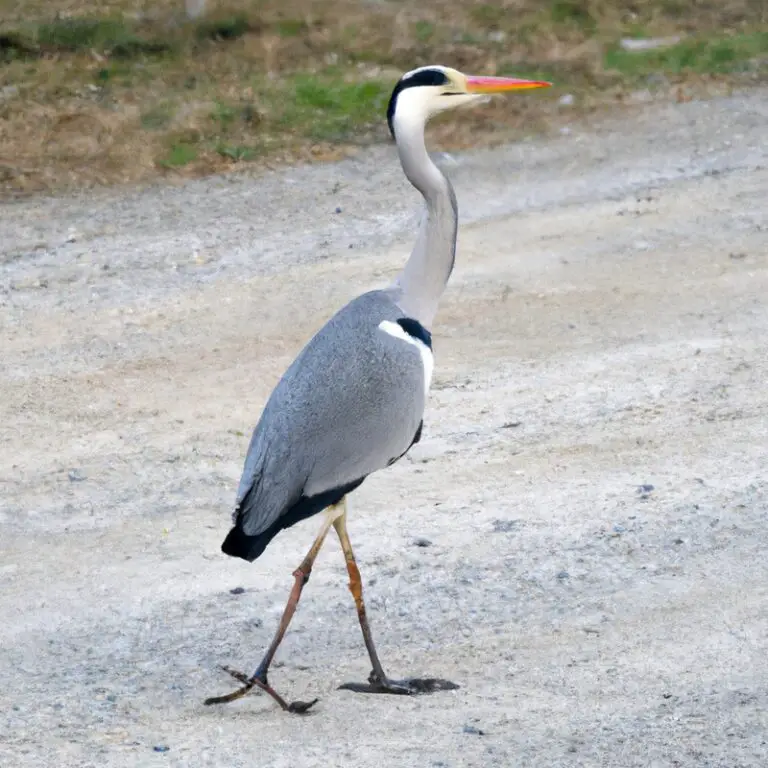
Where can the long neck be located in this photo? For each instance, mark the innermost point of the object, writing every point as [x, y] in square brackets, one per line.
[423, 279]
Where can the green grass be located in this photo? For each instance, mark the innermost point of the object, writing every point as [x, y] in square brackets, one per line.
[224, 114]
[424, 31]
[238, 152]
[724, 55]
[179, 155]
[574, 13]
[290, 27]
[226, 28]
[84, 34]
[283, 79]
[328, 108]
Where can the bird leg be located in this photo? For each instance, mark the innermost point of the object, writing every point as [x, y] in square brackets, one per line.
[259, 678]
[378, 682]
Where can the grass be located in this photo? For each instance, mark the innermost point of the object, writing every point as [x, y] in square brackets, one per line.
[735, 54]
[330, 108]
[179, 155]
[105, 91]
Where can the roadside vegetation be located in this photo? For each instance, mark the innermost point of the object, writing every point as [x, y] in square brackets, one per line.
[107, 91]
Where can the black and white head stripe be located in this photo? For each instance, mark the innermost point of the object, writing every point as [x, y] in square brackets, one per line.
[418, 77]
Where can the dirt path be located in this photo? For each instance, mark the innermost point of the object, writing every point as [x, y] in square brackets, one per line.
[604, 332]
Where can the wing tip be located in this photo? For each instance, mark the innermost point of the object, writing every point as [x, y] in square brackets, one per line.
[239, 544]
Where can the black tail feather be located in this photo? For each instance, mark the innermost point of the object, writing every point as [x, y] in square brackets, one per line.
[240, 544]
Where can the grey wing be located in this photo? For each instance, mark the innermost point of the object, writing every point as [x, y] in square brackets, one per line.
[350, 404]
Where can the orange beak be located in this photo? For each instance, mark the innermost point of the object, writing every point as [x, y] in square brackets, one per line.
[481, 84]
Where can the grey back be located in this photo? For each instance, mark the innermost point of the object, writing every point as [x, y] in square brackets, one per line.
[348, 405]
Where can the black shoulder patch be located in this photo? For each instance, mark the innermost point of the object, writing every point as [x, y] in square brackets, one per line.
[424, 77]
[415, 329]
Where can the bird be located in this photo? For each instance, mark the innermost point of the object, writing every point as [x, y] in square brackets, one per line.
[352, 402]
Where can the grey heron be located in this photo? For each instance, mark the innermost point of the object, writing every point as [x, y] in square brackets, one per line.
[352, 401]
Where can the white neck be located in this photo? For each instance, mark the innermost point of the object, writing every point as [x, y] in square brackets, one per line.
[418, 288]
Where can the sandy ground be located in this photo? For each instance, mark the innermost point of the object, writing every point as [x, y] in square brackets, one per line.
[591, 479]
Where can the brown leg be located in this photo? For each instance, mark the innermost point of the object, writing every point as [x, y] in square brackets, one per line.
[378, 682]
[259, 678]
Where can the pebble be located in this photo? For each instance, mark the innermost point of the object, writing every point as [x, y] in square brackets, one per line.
[648, 44]
[422, 542]
[161, 748]
[645, 490]
[474, 731]
[9, 92]
[75, 476]
[237, 591]
[563, 575]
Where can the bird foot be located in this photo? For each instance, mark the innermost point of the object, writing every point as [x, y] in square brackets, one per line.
[295, 707]
[409, 687]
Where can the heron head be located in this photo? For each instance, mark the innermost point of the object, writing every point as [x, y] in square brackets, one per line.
[424, 92]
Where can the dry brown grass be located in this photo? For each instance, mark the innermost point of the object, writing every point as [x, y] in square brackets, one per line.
[307, 79]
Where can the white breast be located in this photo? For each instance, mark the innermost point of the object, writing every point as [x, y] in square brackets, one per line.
[428, 361]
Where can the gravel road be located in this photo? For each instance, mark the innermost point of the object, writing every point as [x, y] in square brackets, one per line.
[591, 483]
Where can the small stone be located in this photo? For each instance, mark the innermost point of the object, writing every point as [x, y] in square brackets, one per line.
[75, 476]
[161, 748]
[420, 542]
[563, 575]
[9, 92]
[511, 424]
[678, 541]
[567, 100]
[504, 526]
[644, 490]
[338, 209]
[237, 591]
[648, 44]
[474, 731]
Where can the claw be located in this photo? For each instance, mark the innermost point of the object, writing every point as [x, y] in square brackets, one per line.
[301, 707]
[241, 677]
[260, 683]
[410, 687]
